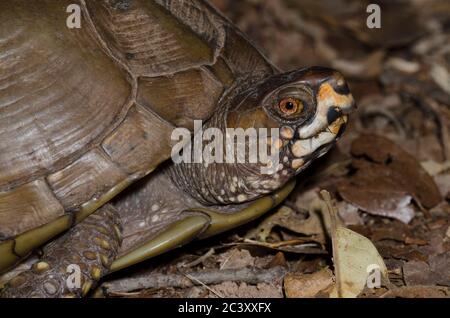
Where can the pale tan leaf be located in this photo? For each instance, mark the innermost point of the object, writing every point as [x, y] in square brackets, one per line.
[355, 257]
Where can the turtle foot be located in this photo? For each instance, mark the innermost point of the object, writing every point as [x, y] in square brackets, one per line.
[72, 264]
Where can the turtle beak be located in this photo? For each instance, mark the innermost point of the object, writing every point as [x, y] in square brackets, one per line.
[334, 104]
[335, 100]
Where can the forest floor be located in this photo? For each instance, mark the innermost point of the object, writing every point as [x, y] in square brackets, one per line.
[389, 175]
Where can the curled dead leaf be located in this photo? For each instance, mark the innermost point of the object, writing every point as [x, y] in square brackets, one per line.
[386, 179]
[307, 220]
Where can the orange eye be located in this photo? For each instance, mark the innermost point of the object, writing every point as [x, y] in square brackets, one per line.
[290, 106]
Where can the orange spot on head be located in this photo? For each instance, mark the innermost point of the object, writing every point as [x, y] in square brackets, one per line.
[326, 91]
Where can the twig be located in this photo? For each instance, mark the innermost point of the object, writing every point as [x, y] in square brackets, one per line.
[373, 110]
[193, 279]
[247, 275]
[293, 246]
[227, 259]
[276, 245]
[200, 259]
[444, 137]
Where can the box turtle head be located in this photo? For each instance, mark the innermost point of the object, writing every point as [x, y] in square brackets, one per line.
[303, 113]
[309, 106]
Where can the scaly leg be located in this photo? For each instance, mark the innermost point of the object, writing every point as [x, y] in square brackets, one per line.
[74, 262]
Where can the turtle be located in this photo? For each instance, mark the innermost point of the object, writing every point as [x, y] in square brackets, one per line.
[88, 112]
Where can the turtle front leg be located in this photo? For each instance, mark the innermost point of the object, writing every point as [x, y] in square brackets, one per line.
[72, 264]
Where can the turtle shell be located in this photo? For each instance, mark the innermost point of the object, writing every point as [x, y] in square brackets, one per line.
[86, 111]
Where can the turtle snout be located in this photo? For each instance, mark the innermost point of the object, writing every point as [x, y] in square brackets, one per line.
[335, 90]
[334, 102]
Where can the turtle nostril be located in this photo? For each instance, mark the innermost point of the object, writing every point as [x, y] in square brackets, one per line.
[342, 88]
[333, 114]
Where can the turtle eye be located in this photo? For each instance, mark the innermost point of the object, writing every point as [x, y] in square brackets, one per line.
[290, 106]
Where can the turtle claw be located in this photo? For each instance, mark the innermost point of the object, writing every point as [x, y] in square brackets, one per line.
[71, 270]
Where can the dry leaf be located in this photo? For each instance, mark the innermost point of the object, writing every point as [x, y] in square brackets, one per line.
[354, 257]
[383, 202]
[301, 223]
[408, 253]
[349, 213]
[278, 260]
[418, 292]
[309, 226]
[439, 265]
[436, 272]
[403, 167]
[416, 273]
[307, 285]
[235, 258]
[243, 290]
[387, 178]
[434, 168]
